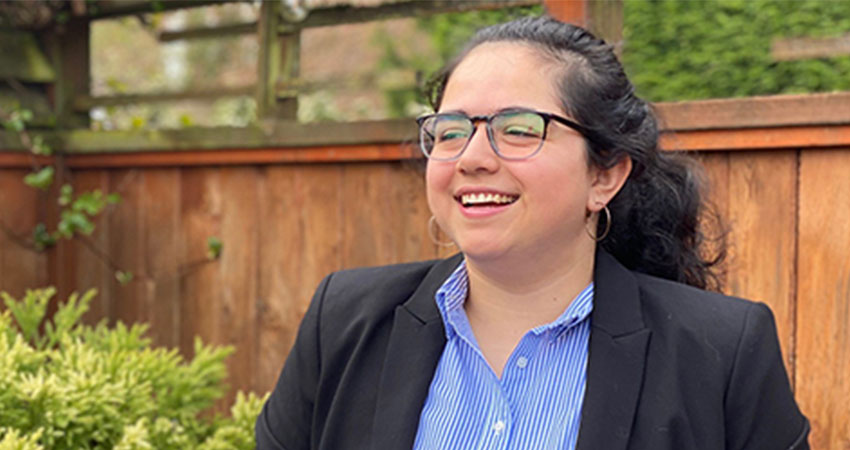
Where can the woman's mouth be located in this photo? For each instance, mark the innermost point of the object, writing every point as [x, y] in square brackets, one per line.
[484, 199]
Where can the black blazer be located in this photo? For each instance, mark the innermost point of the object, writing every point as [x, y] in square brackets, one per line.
[670, 366]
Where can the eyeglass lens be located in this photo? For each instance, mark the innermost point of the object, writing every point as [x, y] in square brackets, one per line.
[514, 135]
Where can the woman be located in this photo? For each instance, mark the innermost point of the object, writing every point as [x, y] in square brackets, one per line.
[567, 320]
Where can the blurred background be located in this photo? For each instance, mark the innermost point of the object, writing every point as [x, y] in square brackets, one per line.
[673, 50]
[204, 164]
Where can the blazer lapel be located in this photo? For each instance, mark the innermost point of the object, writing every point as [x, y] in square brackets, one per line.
[415, 345]
[616, 359]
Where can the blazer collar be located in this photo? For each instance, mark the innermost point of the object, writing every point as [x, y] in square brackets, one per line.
[616, 302]
[616, 359]
[421, 304]
[415, 345]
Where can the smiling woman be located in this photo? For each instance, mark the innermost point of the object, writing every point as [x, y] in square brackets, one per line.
[574, 316]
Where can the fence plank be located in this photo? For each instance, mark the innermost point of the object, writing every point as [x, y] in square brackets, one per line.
[91, 271]
[763, 216]
[365, 238]
[200, 287]
[160, 204]
[238, 273]
[126, 249]
[21, 267]
[385, 215]
[407, 190]
[280, 306]
[823, 317]
[716, 172]
[301, 243]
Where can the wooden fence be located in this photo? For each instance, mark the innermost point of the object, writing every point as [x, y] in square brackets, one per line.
[779, 167]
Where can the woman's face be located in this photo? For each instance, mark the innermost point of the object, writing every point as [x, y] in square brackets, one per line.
[552, 190]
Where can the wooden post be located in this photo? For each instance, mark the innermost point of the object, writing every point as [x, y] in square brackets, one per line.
[287, 103]
[69, 49]
[602, 17]
[278, 63]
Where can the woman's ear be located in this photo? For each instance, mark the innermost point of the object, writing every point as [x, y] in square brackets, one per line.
[605, 183]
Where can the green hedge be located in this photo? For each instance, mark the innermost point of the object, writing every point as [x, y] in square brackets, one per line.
[684, 49]
[64, 385]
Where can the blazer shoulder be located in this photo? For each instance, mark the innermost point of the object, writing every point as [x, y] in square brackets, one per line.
[695, 321]
[378, 284]
[691, 304]
[370, 294]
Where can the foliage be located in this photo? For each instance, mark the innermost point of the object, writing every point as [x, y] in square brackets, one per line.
[447, 33]
[213, 247]
[64, 385]
[681, 50]
[76, 215]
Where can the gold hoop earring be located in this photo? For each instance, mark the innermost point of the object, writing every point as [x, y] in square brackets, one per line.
[607, 226]
[432, 222]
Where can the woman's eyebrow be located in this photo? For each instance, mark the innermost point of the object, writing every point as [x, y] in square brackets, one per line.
[454, 111]
[516, 108]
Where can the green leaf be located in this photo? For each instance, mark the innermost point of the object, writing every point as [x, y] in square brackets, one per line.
[74, 221]
[90, 202]
[30, 311]
[66, 193]
[17, 120]
[13, 124]
[123, 277]
[137, 122]
[113, 198]
[39, 147]
[41, 179]
[42, 238]
[117, 86]
[213, 247]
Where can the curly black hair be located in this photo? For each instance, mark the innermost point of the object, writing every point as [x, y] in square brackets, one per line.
[656, 216]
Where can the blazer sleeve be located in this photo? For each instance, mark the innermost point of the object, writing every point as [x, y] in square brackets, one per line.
[760, 409]
[285, 421]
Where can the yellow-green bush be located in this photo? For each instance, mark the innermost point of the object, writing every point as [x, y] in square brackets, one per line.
[65, 385]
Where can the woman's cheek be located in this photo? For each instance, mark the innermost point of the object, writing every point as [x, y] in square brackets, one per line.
[438, 178]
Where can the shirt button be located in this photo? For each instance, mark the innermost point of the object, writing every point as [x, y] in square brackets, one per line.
[498, 426]
[521, 362]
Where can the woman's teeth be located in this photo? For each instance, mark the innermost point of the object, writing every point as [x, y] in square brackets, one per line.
[488, 198]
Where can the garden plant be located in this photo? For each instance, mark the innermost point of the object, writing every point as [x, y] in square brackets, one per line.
[67, 385]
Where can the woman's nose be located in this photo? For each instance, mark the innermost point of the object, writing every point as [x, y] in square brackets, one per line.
[479, 155]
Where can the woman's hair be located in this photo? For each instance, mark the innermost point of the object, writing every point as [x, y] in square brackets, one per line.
[655, 226]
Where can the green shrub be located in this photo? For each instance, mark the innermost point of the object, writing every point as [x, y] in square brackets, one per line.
[685, 50]
[64, 385]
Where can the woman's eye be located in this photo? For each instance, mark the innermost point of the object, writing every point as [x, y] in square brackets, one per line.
[447, 135]
[520, 131]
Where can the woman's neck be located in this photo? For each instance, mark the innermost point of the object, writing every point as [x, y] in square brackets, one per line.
[522, 294]
[508, 298]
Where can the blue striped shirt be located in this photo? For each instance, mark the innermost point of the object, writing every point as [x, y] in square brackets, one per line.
[537, 402]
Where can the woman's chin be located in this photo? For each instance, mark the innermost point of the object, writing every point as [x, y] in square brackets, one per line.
[483, 250]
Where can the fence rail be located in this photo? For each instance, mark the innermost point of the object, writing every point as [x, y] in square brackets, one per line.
[810, 121]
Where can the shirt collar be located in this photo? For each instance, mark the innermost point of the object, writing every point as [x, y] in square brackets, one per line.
[451, 296]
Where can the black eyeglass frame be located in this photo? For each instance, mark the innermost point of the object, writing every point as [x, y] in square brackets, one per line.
[488, 119]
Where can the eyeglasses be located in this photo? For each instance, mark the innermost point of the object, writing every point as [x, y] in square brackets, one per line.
[514, 134]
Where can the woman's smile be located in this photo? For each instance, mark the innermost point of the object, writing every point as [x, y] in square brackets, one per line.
[479, 202]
